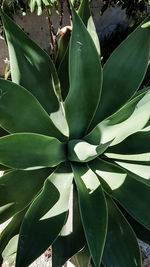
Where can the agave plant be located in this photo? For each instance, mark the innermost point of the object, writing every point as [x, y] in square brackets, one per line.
[76, 156]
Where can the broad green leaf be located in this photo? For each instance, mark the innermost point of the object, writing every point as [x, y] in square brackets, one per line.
[141, 232]
[31, 67]
[93, 210]
[130, 191]
[131, 118]
[68, 242]
[85, 14]
[82, 151]
[92, 31]
[85, 80]
[9, 253]
[45, 217]
[121, 247]
[124, 72]
[18, 188]
[82, 258]
[84, 11]
[21, 112]
[11, 230]
[27, 150]
[136, 168]
[136, 147]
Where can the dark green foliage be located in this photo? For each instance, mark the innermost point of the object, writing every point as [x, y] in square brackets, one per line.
[76, 153]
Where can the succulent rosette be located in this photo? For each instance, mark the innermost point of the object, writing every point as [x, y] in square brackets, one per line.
[75, 148]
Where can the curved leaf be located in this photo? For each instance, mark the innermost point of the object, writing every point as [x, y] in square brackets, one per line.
[141, 232]
[69, 243]
[124, 72]
[131, 118]
[84, 11]
[62, 47]
[132, 193]
[136, 147]
[63, 74]
[93, 210]
[31, 67]
[27, 150]
[81, 151]
[9, 253]
[136, 168]
[121, 247]
[17, 190]
[21, 112]
[11, 230]
[62, 62]
[45, 217]
[82, 258]
[85, 14]
[85, 80]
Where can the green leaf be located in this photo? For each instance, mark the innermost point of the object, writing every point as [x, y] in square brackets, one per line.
[17, 190]
[32, 5]
[92, 31]
[31, 67]
[85, 93]
[82, 258]
[93, 210]
[68, 242]
[63, 73]
[21, 112]
[45, 217]
[85, 14]
[84, 11]
[11, 230]
[124, 72]
[62, 47]
[140, 231]
[82, 151]
[136, 147]
[9, 253]
[121, 247]
[62, 62]
[141, 170]
[131, 118]
[130, 191]
[27, 150]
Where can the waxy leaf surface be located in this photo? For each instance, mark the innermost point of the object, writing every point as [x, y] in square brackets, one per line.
[11, 230]
[86, 16]
[82, 151]
[93, 210]
[21, 112]
[18, 188]
[45, 217]
[84, 94]
[135, 148]
[129, 190]
[131, 118]
[123, 73]
[68, 242]
[30, 66]
[121, 247]
[27, 150]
